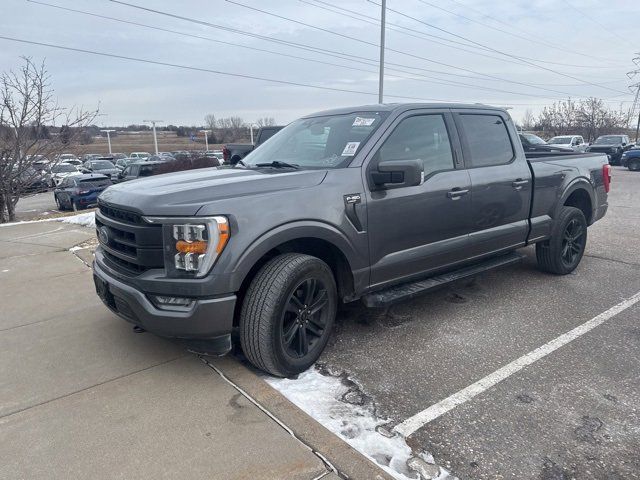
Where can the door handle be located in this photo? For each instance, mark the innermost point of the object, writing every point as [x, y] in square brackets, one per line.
[519, 183]
[456, 193]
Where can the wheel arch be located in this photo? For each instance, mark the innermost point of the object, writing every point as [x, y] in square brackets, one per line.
[580, 194]
[311, 238]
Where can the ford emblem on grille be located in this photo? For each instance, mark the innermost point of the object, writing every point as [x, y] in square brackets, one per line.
[103, 235]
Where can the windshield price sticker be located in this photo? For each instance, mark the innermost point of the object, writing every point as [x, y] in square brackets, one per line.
[363, 122]
[350, 149]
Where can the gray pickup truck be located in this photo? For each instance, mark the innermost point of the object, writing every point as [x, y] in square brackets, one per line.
[378, 203]
[232, 153]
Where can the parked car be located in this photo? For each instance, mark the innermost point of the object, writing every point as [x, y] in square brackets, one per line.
[121, 163]
[631, 159]
[570, 142]
[90, 156]
[140, 155]
[65, 157]
[613, 145]
[81, 191]
[533, 143]
[118, 156]
[75, 162]
[377, 203]
[103, 166]
[137, 170]
[31, 180]
[234, 152]
[61, 171]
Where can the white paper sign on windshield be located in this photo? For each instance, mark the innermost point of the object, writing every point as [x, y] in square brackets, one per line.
[350, 149]
[363, 122]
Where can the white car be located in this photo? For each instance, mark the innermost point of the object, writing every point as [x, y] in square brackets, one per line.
[140, 155]
[61, 171]
[570, 142]
[66, 156]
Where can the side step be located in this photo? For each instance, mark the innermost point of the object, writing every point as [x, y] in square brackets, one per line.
[409, 290]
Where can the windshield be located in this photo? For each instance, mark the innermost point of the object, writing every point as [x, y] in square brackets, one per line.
[319, 142]
[534, 139]
[560, 140]
[102, 165]
[609, 140]
[63, 168]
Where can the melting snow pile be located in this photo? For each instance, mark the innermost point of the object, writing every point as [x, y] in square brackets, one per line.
[344, 410]
[84, 219]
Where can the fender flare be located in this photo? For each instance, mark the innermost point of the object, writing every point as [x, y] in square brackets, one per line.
[293, 231]
[580, 183]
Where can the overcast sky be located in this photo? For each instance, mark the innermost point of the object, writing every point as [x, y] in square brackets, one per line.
[584, 39]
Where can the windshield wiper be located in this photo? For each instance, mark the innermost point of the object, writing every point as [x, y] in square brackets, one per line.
[278, 164]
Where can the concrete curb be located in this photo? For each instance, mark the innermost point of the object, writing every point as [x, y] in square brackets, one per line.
[350, 463]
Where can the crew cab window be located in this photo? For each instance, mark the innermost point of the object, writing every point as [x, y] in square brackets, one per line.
[488, 140]
[421, 137]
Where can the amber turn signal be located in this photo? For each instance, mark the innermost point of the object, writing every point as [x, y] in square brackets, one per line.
[198, 247]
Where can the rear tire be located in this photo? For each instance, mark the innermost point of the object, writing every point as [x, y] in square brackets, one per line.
[288, 313]
[633, 165]
[58, 203]
[562, 253]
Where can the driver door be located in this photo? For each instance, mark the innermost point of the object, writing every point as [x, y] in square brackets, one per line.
[414, 230]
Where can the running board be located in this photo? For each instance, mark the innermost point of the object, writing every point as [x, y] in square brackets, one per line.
[410, 290]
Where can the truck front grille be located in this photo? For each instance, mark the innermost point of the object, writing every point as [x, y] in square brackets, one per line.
[132, 245]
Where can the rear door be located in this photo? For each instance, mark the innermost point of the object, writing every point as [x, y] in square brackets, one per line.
[501, 181]
[416, 229]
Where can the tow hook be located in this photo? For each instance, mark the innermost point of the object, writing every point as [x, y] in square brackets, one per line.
[138, 329]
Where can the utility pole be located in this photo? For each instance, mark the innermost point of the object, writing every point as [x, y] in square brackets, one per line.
[153, 125]
[383, 15]
[251, 131]
[108, 138]
[206, 139]
[636, 104]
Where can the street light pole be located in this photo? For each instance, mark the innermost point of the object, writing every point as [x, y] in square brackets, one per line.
[108, 138]
[153, 125]
[206, 139]
[383, 12]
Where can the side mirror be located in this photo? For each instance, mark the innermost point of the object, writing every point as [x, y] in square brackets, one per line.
[398, 173]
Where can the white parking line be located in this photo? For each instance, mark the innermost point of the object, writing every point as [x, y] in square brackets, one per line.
[420, 419]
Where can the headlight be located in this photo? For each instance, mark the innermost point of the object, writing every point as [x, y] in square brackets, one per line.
[192, 245]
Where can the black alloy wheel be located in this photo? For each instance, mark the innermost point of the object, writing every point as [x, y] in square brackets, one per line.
[573, 242]
[304, 318]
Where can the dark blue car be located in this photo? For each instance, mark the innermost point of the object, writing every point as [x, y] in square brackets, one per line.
[81, 191]
[631, 159]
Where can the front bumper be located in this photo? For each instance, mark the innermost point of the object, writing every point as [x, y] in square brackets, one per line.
[208, 319]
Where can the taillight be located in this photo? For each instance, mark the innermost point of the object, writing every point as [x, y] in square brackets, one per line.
[81, 192]
[225, 154]
[606, 177]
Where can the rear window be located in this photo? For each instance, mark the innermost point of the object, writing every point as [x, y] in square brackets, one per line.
[93, 183]
[148, 170]
[488, 140]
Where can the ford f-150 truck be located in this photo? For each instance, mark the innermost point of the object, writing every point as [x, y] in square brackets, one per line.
[377, 203]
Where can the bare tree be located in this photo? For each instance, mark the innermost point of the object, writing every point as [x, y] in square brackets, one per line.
[27, 108]
[528, 121]
[210, 121]
[266, 122]
[589, 118]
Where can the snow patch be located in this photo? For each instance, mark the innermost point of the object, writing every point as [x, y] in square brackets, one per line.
[346, 411]
[84, 219]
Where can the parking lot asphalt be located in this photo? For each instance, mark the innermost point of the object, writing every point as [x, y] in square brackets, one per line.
[35, 205]
[81, 396]
[572, 414]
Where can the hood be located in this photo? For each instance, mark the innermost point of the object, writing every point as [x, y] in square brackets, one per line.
[184, 193]
[604, 147]
[66, 174]
[106, 171]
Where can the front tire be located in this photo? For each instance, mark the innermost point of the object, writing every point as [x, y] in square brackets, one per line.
[562, 253]
[633, 165]
[288, 313]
